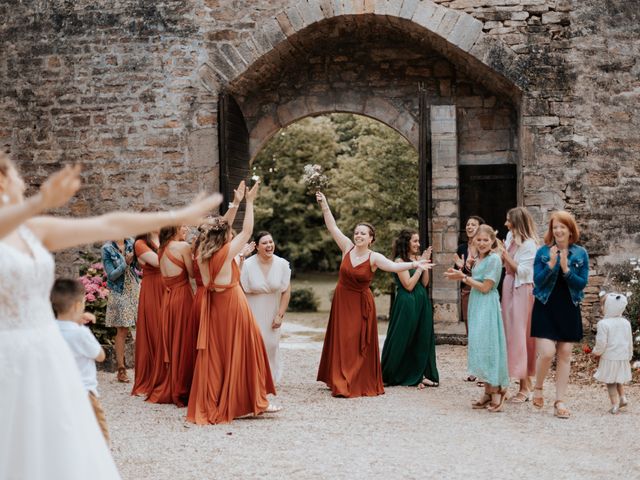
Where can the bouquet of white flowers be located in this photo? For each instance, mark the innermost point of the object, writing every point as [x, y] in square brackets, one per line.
[314, 179]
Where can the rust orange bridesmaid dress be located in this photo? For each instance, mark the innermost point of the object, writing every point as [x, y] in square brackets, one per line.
[350, 362]
[172, 373]
[232, 376]
[148, 325]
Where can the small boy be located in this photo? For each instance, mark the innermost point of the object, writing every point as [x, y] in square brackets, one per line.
[67, 300]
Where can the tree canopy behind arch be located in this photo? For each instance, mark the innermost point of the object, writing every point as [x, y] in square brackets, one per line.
[373, 173]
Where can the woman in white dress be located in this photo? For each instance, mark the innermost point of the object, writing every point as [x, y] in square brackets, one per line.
[265, 278]
[48, 429]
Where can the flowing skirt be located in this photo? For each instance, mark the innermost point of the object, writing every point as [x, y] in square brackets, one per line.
[48, 428]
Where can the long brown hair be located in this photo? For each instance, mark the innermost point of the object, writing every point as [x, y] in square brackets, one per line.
[402, 243]
[166, 235]
[214, 238]
[522, 225]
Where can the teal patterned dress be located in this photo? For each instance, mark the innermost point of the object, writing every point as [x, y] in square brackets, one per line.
[487, 352]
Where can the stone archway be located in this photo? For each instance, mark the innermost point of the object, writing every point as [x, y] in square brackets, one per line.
[427, 71]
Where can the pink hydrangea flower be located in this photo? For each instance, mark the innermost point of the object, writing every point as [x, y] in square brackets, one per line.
[90, 297]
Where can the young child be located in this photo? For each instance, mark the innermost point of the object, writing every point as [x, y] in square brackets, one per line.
[67, 300]
[614, 349]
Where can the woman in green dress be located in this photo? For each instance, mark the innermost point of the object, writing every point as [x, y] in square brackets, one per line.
[409, 352]
[487, 353]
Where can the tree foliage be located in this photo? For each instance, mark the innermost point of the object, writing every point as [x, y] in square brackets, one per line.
[373, 174]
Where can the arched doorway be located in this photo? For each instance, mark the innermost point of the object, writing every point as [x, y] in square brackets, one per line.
[456, 110]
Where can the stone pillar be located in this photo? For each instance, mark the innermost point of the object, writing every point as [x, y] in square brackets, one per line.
[445, 219]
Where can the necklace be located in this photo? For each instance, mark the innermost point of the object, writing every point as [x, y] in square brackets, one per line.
[358, 257]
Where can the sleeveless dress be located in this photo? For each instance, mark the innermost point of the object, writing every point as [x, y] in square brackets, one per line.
[263, 294]
[409, 351]
[517, 305]
[232, 376]
[148, 325]
[46, 418]
[487, 352]
[350, 362]
[172, 379]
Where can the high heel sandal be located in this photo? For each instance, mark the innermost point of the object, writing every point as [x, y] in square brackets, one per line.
[482, 402]
[497, 407]
[537, 402]
[522, 396]
[560, 410]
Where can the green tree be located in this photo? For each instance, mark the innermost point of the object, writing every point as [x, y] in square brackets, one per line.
[284, 207]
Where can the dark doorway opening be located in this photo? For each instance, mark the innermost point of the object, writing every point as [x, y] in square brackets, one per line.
[488, 191]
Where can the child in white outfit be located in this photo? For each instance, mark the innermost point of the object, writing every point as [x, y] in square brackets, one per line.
[67, 300]
[614, 349]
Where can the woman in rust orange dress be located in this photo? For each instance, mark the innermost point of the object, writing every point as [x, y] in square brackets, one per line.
[232, 376]
[172, 373]
[350, 362]
[148, 324]
[238, 195]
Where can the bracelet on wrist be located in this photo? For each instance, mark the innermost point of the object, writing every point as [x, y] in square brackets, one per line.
[233, 205]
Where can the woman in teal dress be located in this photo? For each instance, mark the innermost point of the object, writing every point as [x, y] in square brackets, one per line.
[487, 354]
[409, 352]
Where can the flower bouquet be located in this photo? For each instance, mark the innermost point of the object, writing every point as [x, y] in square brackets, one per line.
[314, 179]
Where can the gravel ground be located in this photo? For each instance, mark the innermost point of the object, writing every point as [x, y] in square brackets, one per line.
[405, 433]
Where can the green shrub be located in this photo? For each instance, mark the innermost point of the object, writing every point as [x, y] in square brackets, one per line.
[303, 299]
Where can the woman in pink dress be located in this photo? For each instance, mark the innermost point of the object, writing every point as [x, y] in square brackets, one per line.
[518, 255]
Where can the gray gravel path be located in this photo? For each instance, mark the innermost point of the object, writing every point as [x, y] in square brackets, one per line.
[405, 433]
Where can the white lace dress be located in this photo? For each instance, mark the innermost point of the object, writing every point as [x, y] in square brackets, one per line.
[47, 427]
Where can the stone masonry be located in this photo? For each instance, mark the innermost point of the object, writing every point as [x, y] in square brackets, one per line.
[130, 88]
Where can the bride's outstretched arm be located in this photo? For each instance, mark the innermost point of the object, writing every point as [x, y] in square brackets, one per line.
[58, 233]
[54, 192]
[343, 242]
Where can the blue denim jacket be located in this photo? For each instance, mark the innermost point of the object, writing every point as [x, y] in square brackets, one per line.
[544, 279]
[115, 264]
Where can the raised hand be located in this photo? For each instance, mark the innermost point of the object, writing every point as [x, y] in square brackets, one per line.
[426, 255]
[252, 193]
[195, 213]
[248, 249]
[453, 274]
[238, 193]
[58, 189]
[564, 259]
[459, 261]
[424, 264]
[321, 199]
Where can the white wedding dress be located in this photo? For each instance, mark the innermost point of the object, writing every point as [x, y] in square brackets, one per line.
[47, 427]
[263, 295]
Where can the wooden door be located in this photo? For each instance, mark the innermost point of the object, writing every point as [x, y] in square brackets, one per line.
[488, 191]
[233, 137]
[424, 166]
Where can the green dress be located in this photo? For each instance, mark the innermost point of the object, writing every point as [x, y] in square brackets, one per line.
[409, 351]
[487, 350]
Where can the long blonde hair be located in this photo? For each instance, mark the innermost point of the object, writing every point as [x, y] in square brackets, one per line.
[213, 238]
[522, 225]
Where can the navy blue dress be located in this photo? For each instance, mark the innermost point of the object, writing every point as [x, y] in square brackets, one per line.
[559, 319]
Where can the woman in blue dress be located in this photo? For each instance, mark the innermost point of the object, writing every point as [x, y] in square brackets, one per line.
[487, 353]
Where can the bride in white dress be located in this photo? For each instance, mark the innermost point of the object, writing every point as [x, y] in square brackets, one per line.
[265, 278]
[48, 428]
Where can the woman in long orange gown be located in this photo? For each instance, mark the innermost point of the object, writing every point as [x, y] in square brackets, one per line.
[350, 362]
[148, 324]
[172, 373]
[232, 376]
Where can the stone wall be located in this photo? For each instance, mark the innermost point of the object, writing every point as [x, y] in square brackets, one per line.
[129, 87]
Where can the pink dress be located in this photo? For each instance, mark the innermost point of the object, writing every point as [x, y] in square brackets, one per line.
[517, 304]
